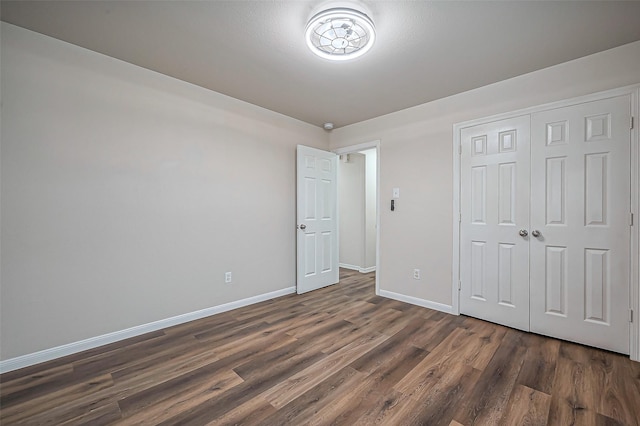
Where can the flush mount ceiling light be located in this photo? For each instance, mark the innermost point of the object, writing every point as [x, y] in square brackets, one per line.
[340, 34]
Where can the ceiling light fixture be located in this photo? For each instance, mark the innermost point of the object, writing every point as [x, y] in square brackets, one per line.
[340, 33]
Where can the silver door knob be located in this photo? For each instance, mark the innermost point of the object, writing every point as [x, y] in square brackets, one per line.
[536, 233]
[523, 233]
[303, 226]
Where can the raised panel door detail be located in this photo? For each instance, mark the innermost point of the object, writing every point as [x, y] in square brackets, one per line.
[595, 208]
[478, 270]
[479, 145]
[507, 193]
[479, 195]
[326, 200]
[325, 165]
[556, 133]
[326, 242]
[310, 199]
[505, 273]
[556, 280]
[310, 255]
[310, 162]
[507, 141]
[596, 285]
[556, 191]
[597, 127]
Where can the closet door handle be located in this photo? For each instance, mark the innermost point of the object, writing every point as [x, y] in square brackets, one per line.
[536, 233]
[523, 233]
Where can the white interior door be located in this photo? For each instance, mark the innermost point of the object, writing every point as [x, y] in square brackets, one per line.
[494, 201]
[317, 199]
[581, 208]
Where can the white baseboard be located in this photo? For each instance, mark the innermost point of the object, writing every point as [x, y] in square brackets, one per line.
[348, 266]
[93, 342]
[416, 301]
[357, 268]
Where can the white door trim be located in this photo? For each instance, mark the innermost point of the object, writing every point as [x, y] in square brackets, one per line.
[634, 340]
[361, 147]
[634, 287]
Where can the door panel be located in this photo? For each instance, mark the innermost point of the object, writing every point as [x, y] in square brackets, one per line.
[580, 204]
[317, 241]
[495, 206]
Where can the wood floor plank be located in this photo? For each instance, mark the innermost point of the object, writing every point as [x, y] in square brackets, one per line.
[526, 406]
[395, 347]
[329, 343]
[286, 391]
[460, 349]
[38, 409]
[122, 356]
[137, 411]
[397, 362]
[250, 388]
[252, 412]
[438, 406]
[32, 385]
[122, 387]
[539, 367]
[103, 415]
[602, 420]
[304, 408]
[573, 399]
[340, 355]
[383, 410]
[618, 398]
[493, 389]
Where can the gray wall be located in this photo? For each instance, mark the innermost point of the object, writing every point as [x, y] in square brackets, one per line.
[351, 202]
[127, 194]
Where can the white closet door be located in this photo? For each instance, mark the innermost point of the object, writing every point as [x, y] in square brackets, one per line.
[494, 201]
[581, 207]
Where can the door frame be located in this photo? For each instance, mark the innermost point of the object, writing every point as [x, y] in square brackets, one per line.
[353, 149]
[634, 285]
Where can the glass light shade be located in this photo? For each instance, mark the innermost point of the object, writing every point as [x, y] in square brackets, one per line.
[340, 34]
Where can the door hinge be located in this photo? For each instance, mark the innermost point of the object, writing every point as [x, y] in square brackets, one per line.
[459, 285]
[631, 127]
[459, 217]
[630, 219]
[630, 315]
[460, 149]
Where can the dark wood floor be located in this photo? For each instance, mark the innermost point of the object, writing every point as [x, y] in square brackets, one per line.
[339, 355]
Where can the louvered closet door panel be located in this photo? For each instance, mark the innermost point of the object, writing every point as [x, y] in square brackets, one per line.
[494, 201]
[580, 203]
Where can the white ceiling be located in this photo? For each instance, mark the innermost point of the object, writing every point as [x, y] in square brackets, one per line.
[255, 50]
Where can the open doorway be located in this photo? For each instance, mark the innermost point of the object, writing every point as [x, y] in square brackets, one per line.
[317, 217]
[358, 208]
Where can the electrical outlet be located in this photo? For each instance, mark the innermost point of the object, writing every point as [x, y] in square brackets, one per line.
[416, 274]
[227, 277]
